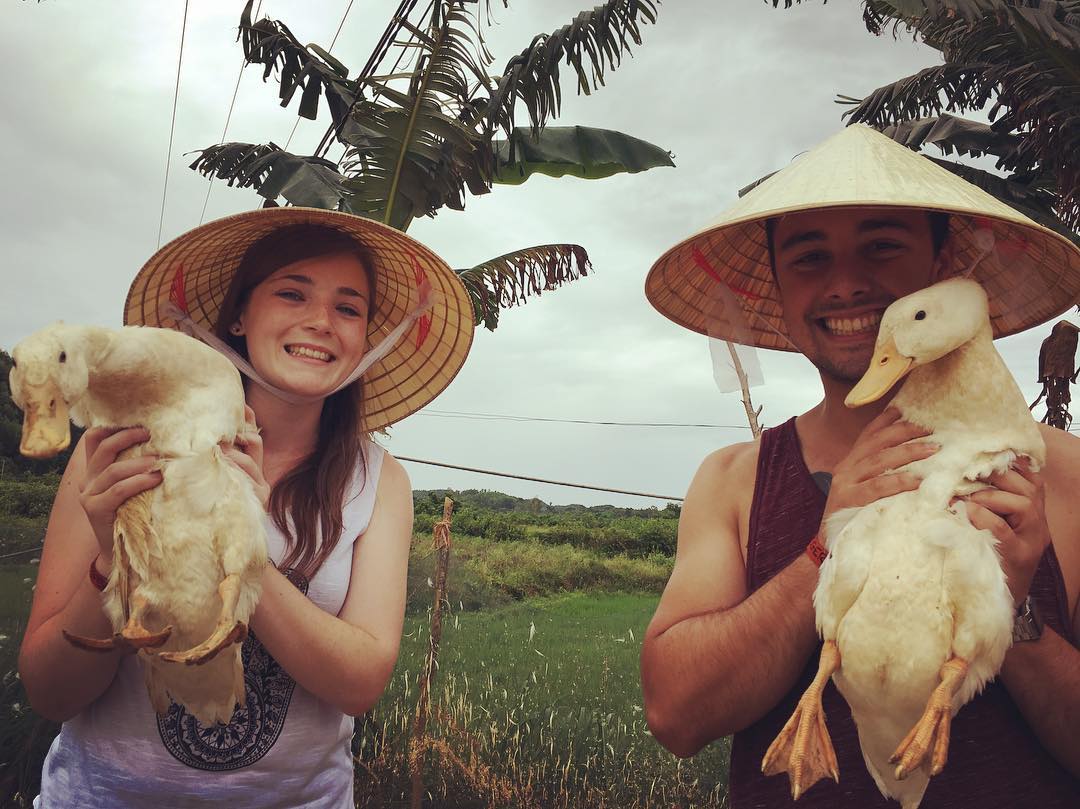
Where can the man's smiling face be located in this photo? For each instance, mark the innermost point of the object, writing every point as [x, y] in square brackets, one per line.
[839, 269]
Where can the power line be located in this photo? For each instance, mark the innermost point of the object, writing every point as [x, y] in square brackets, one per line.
[341, 25]
[508, 417]
[538, 480]
[228, 118]
[20, 553]
[172, 126]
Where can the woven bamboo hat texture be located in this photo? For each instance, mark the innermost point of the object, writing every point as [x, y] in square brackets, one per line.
[195, 269]
[1030, 273]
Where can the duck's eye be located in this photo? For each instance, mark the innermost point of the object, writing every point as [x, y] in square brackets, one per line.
[63, 356]
[920, 315]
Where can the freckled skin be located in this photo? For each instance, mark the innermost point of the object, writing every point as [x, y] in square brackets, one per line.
[283, 311]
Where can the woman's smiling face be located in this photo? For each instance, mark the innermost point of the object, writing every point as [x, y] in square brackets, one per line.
[306, 324]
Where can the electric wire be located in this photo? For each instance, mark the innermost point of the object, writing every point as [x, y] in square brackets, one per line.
[172, 126]
[228, 118]
[538, 480]
[455, 414]
[333, 42]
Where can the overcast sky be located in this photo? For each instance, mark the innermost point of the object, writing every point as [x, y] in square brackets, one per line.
[734, 90]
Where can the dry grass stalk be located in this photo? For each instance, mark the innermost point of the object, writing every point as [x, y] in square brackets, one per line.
[418, 744]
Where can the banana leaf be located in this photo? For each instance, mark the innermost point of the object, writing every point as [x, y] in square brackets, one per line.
[511, 279]
[578, 151]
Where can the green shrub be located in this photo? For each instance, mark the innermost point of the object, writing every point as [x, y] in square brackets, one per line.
[27, 498]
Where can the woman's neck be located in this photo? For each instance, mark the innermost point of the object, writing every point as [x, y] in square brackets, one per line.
[289, 431]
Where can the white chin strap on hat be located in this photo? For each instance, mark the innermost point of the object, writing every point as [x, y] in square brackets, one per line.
[193, 329]
[984, 240]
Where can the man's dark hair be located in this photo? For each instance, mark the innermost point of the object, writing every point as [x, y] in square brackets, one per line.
[939, 231]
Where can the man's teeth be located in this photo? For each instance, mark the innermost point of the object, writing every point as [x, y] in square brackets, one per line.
[301, 351]
[853, 325]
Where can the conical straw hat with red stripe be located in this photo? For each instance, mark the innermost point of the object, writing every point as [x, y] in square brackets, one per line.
[193, 273]
[1031, 274]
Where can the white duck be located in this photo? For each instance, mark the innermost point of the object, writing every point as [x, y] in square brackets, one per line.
[189, 554]
[911, 602]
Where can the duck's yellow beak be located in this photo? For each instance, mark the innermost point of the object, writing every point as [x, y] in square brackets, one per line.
[887, 367]
[46, 429]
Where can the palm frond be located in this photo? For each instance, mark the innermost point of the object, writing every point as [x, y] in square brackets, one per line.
[1046, 20]
[578, 151]
[964, 87]
[1021, 58]
[511, 279]
[270, 43]
[593, 43]
[409, 155]
[273, 173]
[1034, 202]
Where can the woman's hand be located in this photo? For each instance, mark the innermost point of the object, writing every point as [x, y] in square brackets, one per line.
[866, 475]
[109, 482]
[247, 454]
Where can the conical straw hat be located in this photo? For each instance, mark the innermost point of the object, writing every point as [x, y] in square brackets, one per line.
[1031, 274]
[198, 266]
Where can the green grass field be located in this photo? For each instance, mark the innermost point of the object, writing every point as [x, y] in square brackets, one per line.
[537, 702]
[540, 703]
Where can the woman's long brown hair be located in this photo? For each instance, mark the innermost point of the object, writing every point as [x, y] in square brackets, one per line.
[306, 503]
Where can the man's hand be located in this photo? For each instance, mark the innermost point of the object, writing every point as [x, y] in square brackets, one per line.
[1014, 511]
[866, 475]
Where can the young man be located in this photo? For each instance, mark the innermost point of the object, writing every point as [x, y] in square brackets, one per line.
[817, 253]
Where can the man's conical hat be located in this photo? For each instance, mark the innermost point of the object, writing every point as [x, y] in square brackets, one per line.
[1031, 274]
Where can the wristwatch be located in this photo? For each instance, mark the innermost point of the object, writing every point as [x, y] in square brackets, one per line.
[1028, 624]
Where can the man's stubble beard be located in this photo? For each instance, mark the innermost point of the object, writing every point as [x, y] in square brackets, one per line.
[846, 369]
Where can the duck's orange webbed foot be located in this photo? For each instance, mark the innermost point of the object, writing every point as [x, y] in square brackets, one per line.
[931, 732]
[803, 748]
[132, 637]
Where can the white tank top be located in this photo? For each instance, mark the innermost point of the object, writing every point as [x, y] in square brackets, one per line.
[284, 748]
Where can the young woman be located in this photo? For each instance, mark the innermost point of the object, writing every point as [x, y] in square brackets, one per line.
[303, 296]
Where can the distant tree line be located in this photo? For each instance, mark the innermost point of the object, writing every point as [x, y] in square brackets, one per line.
[610, 530]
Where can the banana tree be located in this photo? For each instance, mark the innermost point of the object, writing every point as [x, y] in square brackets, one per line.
[1017, 60]
[435, 126]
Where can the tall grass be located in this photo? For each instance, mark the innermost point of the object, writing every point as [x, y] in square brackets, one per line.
[536, 704]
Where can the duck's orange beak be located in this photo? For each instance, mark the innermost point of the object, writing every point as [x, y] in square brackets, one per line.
[46, 429]
[887, 367]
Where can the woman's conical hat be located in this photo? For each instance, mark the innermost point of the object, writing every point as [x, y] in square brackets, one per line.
[1031, 274]
[195, 269]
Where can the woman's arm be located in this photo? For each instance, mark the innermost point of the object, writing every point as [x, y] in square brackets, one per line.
[60, 679]
[347, 659]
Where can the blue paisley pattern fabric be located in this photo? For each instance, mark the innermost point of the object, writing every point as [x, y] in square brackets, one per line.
[254, 726]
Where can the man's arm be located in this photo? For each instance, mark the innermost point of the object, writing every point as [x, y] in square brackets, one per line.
[1043, 676]
[713, 660]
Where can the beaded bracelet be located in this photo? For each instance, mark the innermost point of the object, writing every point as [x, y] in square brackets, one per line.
[816, 551]
[96, 579]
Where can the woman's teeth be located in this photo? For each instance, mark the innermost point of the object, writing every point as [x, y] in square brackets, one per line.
[301, 351]
[852, 325]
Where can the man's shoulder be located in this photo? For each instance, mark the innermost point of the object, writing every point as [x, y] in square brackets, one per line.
[1062, 470]
[735, 459]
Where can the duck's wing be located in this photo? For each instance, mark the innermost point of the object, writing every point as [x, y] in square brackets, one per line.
[843, 573]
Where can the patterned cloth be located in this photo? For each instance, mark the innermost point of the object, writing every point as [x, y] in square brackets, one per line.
[283, 748]
[995, 761]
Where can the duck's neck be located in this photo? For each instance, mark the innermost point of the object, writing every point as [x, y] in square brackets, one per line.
[970, 385]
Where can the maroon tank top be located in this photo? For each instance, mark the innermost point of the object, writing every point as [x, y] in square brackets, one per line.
[995, 761]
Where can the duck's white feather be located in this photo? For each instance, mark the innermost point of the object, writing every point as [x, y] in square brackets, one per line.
[909, 582]
[179, 540]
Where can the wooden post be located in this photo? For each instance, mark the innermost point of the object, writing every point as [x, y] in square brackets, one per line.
[748, 403]
[441, 541]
